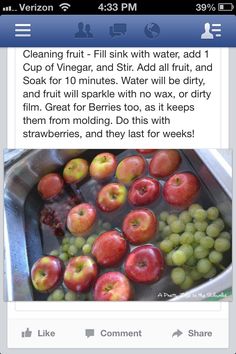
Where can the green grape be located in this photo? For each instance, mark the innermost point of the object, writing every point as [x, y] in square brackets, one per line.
[179, 257]
[49, 298]
[185, 217]
[187, 249]
[166, 231]
[178, 275]
[65, 247]
[82, 297]
[90, 296]
[198, 236]
[101, 232]
[58, 295]
[207, 242]
[163, 215]
[204, 266]
[212, 272]
[193, 208]
[225, 234]
[162, 224]
[200, 215]
[195, 275]
[54, 253]
[186, 237]
[72, 250]
[192, 261]
[215, 257]
[213, 230]
[86, 248]
[79, 242]
[175, 238]
[200, 252]
[65, 240]
[64, 257]
[100, 222]
[190, 227]
[201, 225]
[168, 258]
[72, 240]
[222, 244]
[171, 218]
[166, 246]
[187, 284]
[212, 213]
[177, 226]
[71, 296]
[220, 223]
[91, 239]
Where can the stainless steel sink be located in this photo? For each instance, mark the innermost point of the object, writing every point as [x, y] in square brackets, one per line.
[24, 242]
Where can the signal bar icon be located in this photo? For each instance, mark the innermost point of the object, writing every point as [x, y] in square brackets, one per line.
[8, 9]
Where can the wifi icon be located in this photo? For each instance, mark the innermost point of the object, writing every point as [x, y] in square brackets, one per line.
[64, 6]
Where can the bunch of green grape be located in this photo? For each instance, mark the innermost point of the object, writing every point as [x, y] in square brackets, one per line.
[72, 246]
[60, 294]
[194, 243]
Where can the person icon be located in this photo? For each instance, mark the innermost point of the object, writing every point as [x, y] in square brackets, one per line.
[81, 33]
[88, 31]
[207, 34]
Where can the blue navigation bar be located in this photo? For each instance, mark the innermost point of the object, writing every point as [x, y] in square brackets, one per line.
[118, 31]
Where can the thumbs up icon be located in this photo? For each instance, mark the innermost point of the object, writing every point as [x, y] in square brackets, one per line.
[26, 334]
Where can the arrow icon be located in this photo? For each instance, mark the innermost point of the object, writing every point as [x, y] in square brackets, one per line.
[177, 333]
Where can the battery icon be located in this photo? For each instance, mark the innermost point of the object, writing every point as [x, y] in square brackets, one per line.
[225, 6]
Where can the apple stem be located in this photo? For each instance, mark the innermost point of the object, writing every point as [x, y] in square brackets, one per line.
[142, 264]
[108, 287]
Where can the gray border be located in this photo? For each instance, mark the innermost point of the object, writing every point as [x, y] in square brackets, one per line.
[232, 144]
[3, 143]
[3, 307]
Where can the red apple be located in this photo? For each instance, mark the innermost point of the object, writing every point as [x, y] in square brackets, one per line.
[112, 286]
[109, 248]
[50, 185]
[139, 226]
[164, 163]
[143, 191]
[81, 219]
[111, 197]
[145, 151]
[144, 264]
[47, 273]
[80, 273]
[75, 170]
[130, 168]
[181, 189]
[103, 166]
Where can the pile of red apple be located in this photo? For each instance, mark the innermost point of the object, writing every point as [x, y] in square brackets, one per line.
[133, 184]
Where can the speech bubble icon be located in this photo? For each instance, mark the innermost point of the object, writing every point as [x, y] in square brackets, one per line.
[89, 332]
[120, 28]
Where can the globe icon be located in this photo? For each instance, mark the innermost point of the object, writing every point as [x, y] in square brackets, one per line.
[152, 30]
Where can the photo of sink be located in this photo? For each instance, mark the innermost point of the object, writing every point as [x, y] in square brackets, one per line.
[35, 227]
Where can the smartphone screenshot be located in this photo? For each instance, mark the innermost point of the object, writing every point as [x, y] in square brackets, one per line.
[118, 162]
